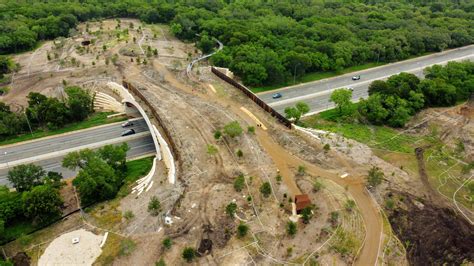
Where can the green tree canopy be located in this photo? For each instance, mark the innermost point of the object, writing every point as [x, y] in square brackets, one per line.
[233, 129]
[26, 176]
[342, 99]
[43, 203]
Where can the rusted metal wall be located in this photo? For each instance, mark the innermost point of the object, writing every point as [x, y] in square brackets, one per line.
[253, 97]
[142, 97]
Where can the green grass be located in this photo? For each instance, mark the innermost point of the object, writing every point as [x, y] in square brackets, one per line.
[315, 76]
[16, 230]
[135, 170]
[95, 119]
[378, 137]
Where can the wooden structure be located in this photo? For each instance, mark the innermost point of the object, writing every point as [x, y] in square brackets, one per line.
[302, 201]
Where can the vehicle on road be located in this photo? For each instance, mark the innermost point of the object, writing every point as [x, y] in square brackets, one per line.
[128, 132]
[127, 124]
[355, 77]
[350, 88]
[277, 95]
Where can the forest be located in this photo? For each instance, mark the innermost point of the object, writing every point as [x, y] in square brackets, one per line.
[266, 42]
[394, 101]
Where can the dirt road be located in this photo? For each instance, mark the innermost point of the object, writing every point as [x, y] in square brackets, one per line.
[284, 160]
[372, 217]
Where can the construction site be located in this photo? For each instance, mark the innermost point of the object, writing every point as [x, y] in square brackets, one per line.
[195, 180]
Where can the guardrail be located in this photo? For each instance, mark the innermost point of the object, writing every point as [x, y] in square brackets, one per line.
[253, 97]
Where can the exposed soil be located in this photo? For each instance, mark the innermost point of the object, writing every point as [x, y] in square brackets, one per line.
[431, 235]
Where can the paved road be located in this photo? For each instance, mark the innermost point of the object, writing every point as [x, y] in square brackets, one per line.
[317, 93]
[40, 147]
[139, 146]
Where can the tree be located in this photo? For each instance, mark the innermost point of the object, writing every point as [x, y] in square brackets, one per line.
[115, 156]
[266, 189]
[26, 176]
[300, 109]
[242, 230]
[80, 103]
[317, 186]
[205, 43]
[342, 99]
[154, 206]
[167, 243]
[53, 179]
[378, 86]
[373, 109]
[230, 209]
[189, 254]
[291, 228]
[233, 129]
[239, 183]
[43, 203]
[375, 176]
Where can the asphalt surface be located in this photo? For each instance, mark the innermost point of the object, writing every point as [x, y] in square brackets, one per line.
[316, 94]
[40, 147]
[138, 146]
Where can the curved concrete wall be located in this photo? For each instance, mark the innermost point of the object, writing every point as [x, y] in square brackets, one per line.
[163, 151]
[128, 98]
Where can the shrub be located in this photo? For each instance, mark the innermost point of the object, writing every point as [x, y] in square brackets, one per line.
[266, 189]
[167, 243]
[239, 153]
[242, 230]
[230, 209]
[154, 206]
[217, 134]
[128, 215]
[233, 129]
[189, 254]
[291, 228]
[239, 183]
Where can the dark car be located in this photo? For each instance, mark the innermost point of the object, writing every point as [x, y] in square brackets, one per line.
[127, 124]
[276, 95]
[355, 77]
[128, 132]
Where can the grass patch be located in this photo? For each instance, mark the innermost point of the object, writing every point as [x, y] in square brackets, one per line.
[135, 170]
[345, 243]
[110, 251]
[18, 230]
[315, 76]
[138, 168]
[96, 119]
[377, 137]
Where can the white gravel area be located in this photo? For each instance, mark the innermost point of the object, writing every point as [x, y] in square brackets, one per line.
[63, 252]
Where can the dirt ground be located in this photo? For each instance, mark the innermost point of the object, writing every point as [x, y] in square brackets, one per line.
[432, 235]
[192, 112]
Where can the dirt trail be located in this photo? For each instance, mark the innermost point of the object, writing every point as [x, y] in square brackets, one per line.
[284, 160]
[369, 211]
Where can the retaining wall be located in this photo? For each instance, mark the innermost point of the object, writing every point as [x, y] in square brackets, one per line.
[253, 97]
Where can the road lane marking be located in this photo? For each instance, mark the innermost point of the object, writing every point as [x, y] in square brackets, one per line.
[66, 151]
[395, 64]
[313, 95]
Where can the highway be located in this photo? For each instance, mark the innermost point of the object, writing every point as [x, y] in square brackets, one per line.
[49, 152]
[316, 94]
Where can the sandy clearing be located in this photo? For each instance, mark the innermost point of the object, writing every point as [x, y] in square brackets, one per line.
[62, 252]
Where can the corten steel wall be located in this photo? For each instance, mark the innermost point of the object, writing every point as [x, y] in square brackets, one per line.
[155, 114]
[253, 97]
